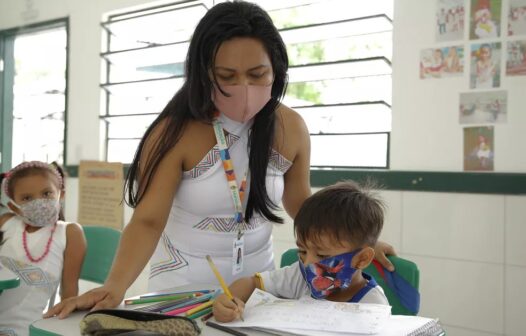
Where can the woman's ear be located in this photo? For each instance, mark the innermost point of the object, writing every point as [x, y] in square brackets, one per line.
[363, 258]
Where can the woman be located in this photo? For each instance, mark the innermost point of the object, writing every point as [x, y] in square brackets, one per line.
[224, 126]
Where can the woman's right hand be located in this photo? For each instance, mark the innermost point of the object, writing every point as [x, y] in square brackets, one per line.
[98, 298]
[226, 310]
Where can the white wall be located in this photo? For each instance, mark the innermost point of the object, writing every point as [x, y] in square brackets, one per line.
[470, 248]
[426, 134]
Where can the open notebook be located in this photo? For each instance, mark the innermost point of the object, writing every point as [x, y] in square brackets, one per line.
[311, 317]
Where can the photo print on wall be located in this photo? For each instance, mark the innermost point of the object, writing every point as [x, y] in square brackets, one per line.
[485, 19]
[517, 18]
[485, 65]
[479, 144]
[483, 107]
[442, 62]
[449, 20]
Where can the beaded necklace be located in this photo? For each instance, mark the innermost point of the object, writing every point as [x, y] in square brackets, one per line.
[46, 251]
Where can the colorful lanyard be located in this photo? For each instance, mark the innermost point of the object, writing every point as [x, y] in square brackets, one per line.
[236, 192]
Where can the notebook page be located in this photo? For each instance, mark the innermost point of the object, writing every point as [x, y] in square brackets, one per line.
[264, 310]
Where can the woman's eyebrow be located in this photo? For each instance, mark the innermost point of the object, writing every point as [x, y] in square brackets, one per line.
[257, 67]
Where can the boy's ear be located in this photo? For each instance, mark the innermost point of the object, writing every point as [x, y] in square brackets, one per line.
[363, 258]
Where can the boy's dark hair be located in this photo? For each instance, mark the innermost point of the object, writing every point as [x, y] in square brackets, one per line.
[346, 211]
[193, 101]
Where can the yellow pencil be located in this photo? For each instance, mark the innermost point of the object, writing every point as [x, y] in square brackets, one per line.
[199, 308]
[221, 281]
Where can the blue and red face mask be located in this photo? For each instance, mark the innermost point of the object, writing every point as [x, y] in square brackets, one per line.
[329, 275]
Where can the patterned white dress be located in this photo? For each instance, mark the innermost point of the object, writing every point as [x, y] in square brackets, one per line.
[20, 306]
[201, 220]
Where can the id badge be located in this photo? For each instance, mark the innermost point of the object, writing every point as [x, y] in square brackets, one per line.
[238, 255]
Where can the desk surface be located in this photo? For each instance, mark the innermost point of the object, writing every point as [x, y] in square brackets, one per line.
[70, 325]
[8, 279]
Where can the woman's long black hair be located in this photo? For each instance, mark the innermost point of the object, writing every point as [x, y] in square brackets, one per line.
[193, 101]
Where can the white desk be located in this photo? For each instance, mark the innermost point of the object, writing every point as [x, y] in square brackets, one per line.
[70, 325]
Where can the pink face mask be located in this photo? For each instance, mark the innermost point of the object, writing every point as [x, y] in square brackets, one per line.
[244, 103]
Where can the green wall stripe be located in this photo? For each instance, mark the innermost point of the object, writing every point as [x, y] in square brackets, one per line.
[462, 182]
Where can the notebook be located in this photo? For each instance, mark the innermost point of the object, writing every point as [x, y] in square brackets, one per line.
[310, 317]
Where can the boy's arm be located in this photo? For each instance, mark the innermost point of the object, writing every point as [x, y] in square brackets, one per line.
[243, 288]
[73, 257]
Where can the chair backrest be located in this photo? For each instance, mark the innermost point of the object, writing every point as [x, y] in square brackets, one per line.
[102, 246]
[405, 268]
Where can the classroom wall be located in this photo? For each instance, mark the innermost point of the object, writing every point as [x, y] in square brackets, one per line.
[469, 247]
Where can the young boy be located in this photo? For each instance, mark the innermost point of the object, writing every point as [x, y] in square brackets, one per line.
[336, 229]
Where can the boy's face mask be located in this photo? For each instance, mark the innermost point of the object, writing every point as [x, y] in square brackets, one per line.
[40, 212]
[329, 275]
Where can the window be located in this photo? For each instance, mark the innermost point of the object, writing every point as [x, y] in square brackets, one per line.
[33, 64]
[339, 76]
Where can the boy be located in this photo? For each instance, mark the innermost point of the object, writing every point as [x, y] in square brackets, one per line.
[336, 229]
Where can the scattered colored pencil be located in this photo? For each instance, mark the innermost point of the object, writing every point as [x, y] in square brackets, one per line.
[182, 309]
[200, 313]
[158, 299]
[156, 294]
[200, 307]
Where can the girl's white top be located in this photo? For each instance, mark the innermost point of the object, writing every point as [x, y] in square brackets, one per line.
[20, 306]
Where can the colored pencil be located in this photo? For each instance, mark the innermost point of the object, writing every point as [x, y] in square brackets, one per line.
[158, 299]
[225, 329]
[199, 299]
[155, 307]
[200, 313]
[182, 309]
[200, 307]
[221, 281]
[155, 294]
[207, 316]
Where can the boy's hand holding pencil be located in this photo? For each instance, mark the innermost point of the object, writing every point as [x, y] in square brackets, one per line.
[226, 309]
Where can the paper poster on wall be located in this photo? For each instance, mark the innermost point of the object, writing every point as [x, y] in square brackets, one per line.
[483, 107]
[516, 58]
[485, 19]
[517, 18]
[479, 147]
[442, 62]
[485, 65]
[100, 194]
[449, 20]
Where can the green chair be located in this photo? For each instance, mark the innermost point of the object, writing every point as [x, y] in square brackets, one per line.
[405, 268]
[102, 246]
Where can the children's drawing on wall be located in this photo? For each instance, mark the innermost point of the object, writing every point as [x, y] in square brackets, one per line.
[516, 58]
[485, 65]
[449, 20]
[485, 19]
[479, 148]
[442, 62]
[517, 18]
[483, 107]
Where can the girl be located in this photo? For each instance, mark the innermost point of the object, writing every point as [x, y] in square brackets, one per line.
[42, 249]
[485, 68]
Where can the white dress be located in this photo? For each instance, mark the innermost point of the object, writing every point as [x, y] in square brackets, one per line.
[201, 220]
[21, 306]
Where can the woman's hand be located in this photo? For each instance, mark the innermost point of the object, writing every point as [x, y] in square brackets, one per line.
[225, 310]
[98, 298]
[381, 250]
